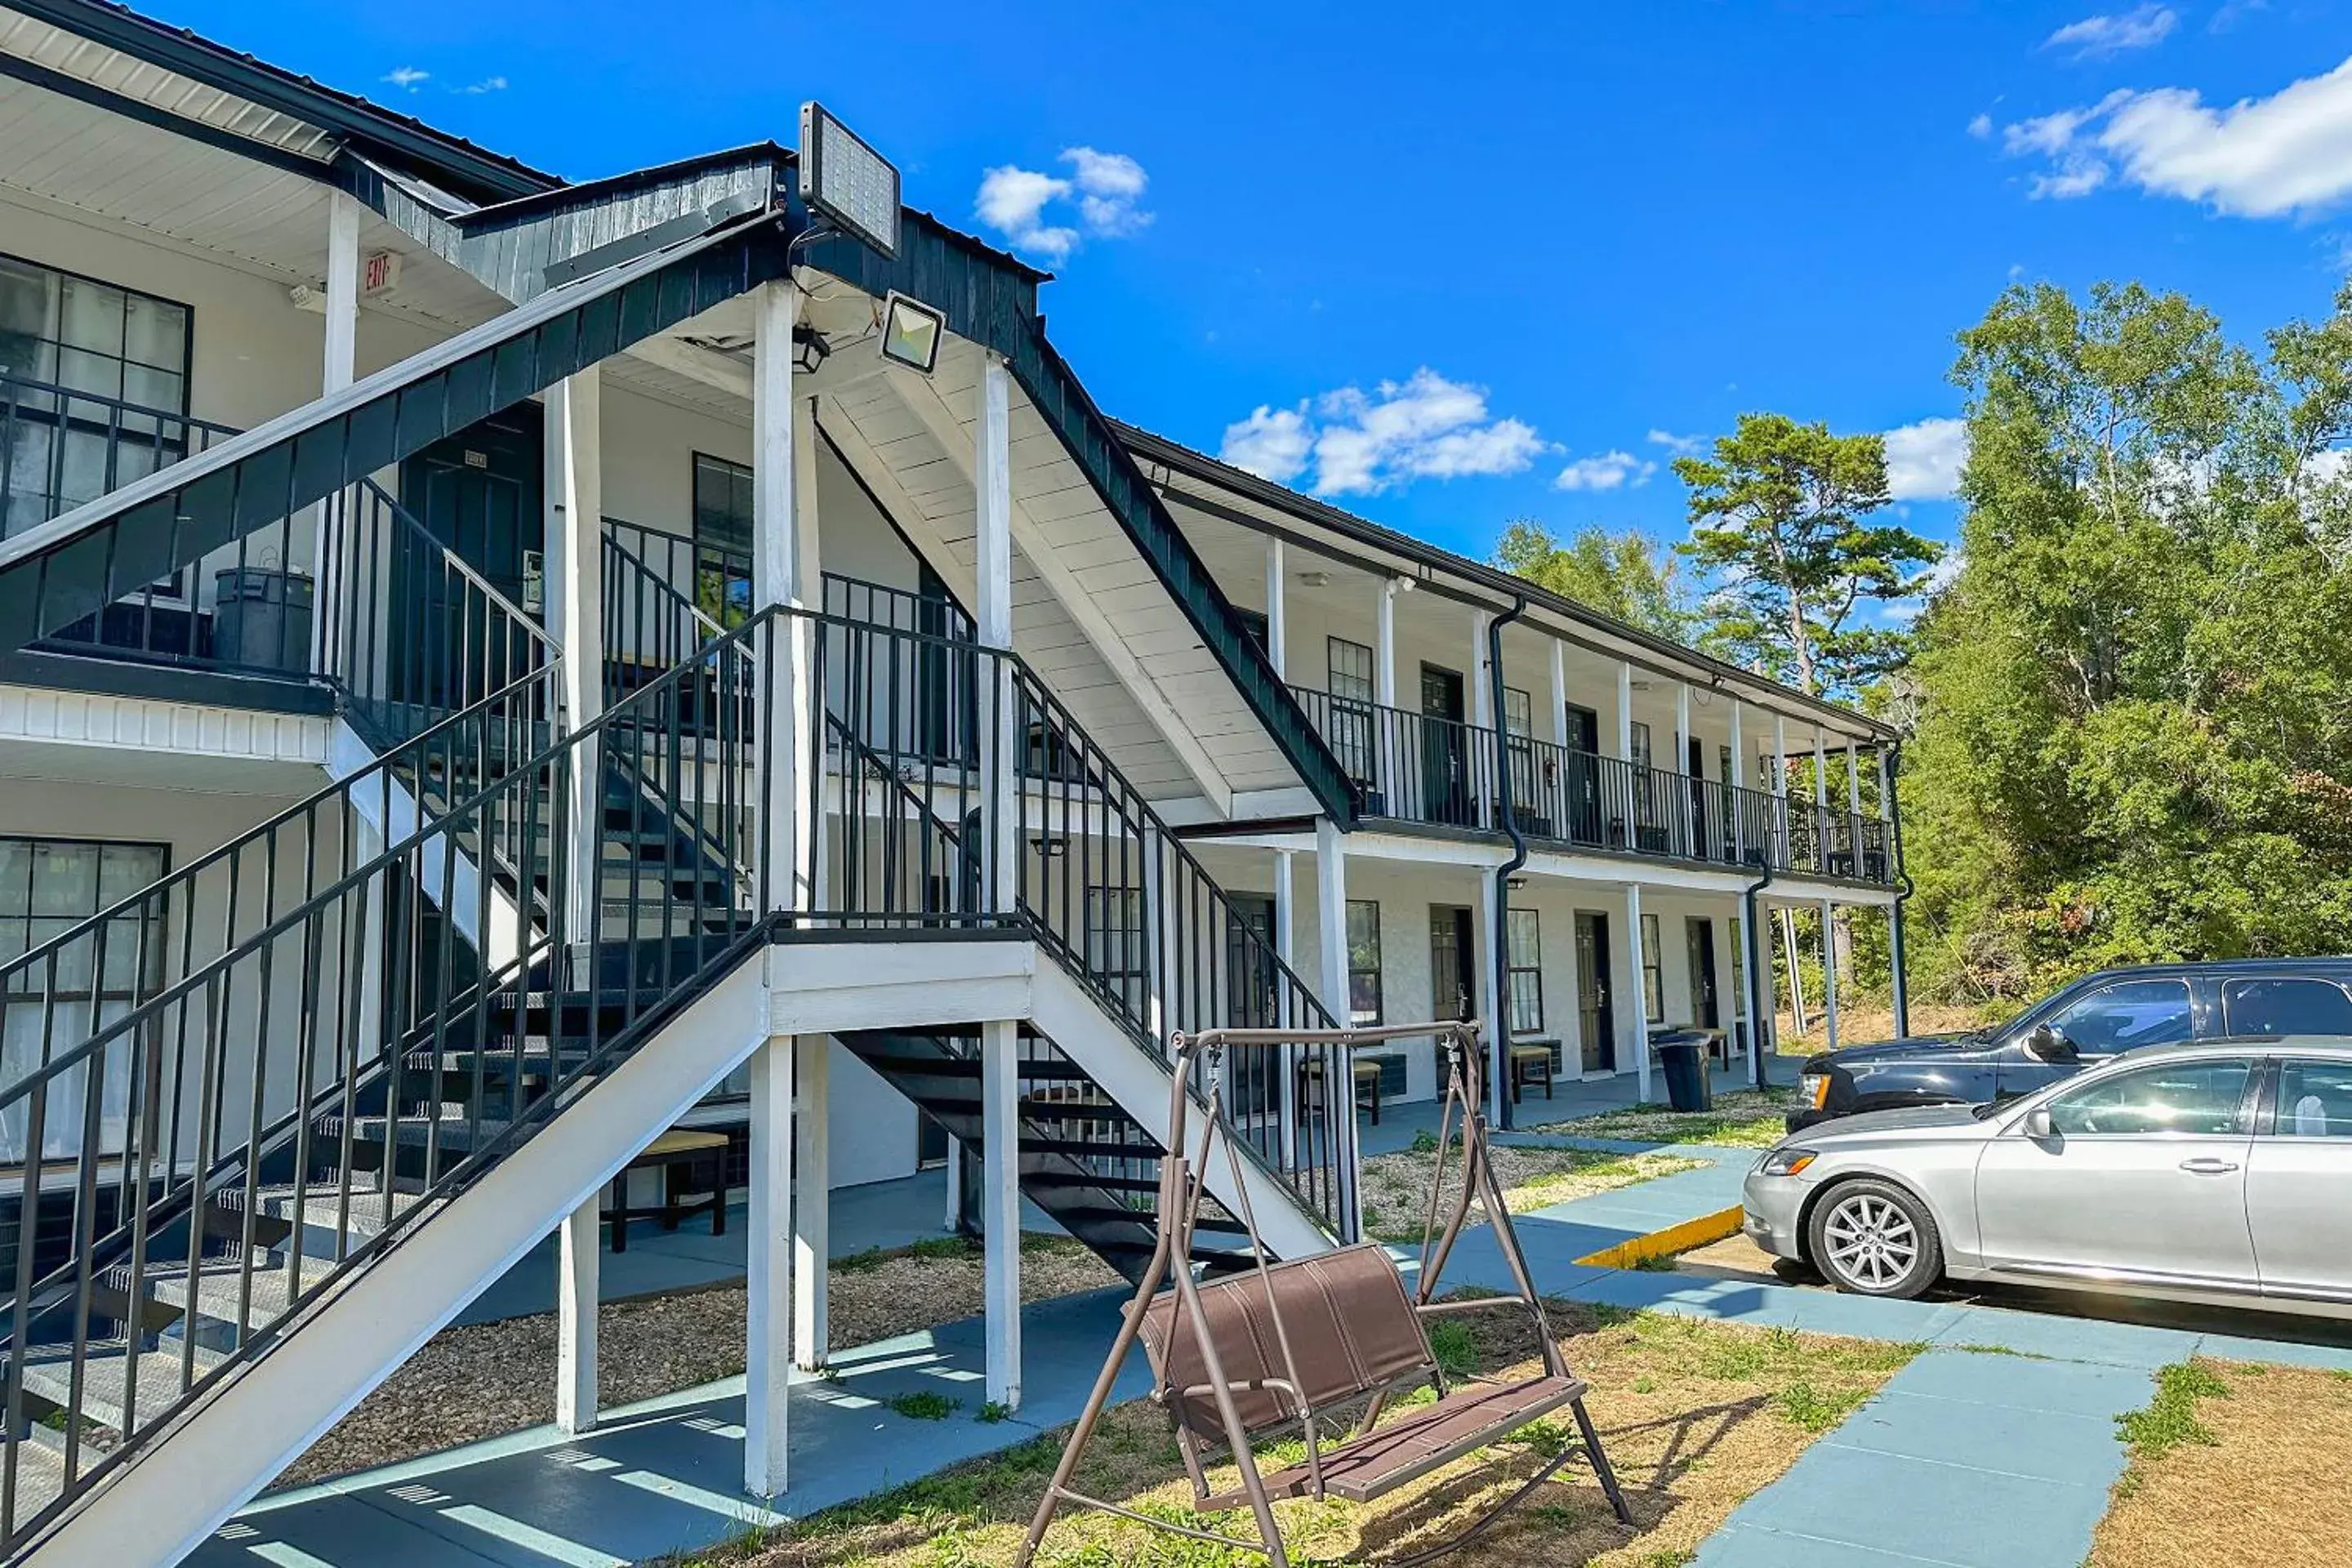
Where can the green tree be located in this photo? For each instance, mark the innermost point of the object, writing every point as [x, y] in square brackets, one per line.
[1623, 575]
[2133, 738]
[1781, 518]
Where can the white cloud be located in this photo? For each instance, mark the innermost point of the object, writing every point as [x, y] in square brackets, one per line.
[1680, 445]
[1012, 200]
[1360, 443]
[2142, 27]
[2260, 157]
[1981, 126]
[487, 84]
[407, 77]
[1106, 189]
[1924, 460]
[1110, 187]
[1272, 443]
[1605, 471]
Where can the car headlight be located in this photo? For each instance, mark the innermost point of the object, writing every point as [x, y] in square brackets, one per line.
[1785, 1162]
[1813, 1089]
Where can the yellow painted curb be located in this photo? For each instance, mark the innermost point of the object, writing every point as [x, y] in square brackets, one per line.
[1665, 1243]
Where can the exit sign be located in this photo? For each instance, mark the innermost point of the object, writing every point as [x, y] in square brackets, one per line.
[378, 271]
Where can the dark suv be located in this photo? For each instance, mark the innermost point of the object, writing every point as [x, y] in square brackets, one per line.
[2102, 1016]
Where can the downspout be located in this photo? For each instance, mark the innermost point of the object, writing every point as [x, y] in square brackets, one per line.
[1896, 968]
[1499, 926]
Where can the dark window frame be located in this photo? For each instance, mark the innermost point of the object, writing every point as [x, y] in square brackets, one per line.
[720, 568]
[1654, 970]
[1526, 977]
[1360, 972]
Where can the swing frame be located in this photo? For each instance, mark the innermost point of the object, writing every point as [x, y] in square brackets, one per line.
[1159, 1320]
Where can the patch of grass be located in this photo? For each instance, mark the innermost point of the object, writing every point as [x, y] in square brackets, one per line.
[1803, 1406]
[995, 1410]
[923, 1406]
[938, 1248]
[1424, 1142]
[865, 1262]
[1455, 1347]
[1396, 1187]
[2169, 1419]
[1744, 1119]
[1655, 1263]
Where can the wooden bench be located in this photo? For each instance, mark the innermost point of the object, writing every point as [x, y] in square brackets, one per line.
[1367, 1075]
[678, 1150]
[1530, 1057]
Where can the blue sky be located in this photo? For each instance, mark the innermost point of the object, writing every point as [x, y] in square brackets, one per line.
[1477, 260]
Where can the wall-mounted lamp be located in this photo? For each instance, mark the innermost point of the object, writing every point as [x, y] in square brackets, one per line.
[809, 349]
[1051, 847]
[1315, 579]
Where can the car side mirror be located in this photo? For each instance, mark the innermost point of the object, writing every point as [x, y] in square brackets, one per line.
[2047, 1042]
[2037, 1123]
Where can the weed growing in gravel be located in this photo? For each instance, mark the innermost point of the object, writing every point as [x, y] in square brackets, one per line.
[937, 1248]
[2171, 1418]
[865, 1262]
[994, 1411]
[924, 1405]
[1456, 1349]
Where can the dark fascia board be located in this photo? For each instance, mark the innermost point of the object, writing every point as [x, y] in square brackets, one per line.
[996, 306]
[1201, 466]
[470, 170]
[165, 682]
[54, 574]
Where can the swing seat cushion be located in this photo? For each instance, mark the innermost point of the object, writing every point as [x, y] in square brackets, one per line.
[1409, 1445]
[1351, 1327]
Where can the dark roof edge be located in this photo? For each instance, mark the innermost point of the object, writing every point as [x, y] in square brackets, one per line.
[1200, 465]
[477, 169]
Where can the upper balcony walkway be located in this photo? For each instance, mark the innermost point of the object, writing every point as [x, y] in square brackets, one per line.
[1433, 771]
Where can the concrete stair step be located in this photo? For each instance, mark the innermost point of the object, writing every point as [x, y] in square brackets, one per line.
[110, 1372]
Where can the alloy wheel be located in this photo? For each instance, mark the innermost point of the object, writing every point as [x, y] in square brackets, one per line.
[1871, 1242]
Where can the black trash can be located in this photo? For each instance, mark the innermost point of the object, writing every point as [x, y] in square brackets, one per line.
[1684, 1057]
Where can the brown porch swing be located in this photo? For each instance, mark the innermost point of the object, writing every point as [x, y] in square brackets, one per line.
[1272, 1345]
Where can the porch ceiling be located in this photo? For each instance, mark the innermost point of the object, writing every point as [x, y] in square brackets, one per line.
[260, 216]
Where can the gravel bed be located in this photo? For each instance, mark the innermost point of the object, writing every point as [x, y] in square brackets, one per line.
[488, 1379]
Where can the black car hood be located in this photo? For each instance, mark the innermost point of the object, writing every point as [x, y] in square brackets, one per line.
[1909, 1048]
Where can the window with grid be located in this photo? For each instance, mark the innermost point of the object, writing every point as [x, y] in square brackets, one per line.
[1645, 794]
[1363, 962]
[116, 347]
[722, 539]
[46, 887]
[1526, 964]
[1349, 682]
[1518, 729]
[1654, 973]
[1117, 948]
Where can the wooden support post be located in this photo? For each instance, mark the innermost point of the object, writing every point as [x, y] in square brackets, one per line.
[577, 1254]
[768, 1270]
[1000, 1186]
[572, 424]
[1278, 616]
[812, 1201]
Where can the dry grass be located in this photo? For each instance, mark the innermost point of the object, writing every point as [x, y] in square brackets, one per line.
[1876, 1021]
[489, 1379]
[2235, 1465]
[1396, 1187]
[1748, 1119]
[1693, 1415]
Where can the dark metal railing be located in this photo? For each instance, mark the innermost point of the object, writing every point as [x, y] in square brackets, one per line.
[1413, 767]
[1835, 843]
[899, 609]
[347, 1036]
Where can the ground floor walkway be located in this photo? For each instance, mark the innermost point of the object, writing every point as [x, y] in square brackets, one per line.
[1998, 1439]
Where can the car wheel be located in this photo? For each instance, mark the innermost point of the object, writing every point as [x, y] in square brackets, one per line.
[1873, 1238]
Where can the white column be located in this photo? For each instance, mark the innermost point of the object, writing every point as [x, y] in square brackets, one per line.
[992, 606]
[1750, 982]
[1682, 826]
[572, 424]
[1487, 726]
[1285, 948]
[1277, 618]
[1820, 774]
[1384, 686]
[340, 367]
[953, 1219]
[1331, 906]
[1485, 941]
[1640, 1032]
[1559, 693]
[1781, 793]
[1737, 781]
[1000, 1202]
[768, 1268]
[1682, 728]
[1886, 789]
[1767, 1000]
[776, 557]
[1829, 974]
[1853, 779]
[812, 1201]
[577, 1252]
[1624, 712]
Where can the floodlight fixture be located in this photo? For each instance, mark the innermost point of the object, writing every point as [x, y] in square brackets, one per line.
[848, 180]
[912, 333]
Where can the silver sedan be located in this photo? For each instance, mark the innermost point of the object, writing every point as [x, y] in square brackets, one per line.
[2219, 1174]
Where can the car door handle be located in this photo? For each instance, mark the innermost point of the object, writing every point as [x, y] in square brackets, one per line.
[2208, 1167]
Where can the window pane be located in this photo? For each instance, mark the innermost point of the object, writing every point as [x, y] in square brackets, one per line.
[90, 317]
[15, 877]
[1641, 745]
[99, 375]
[1363, 934]
[65, 879]
[1524, 939]
[1517, 713]
[157, 335]
[2287, 1008]
[2197, 1099]
[1351, 671]
[2314, 1100]
[2128, 1015]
